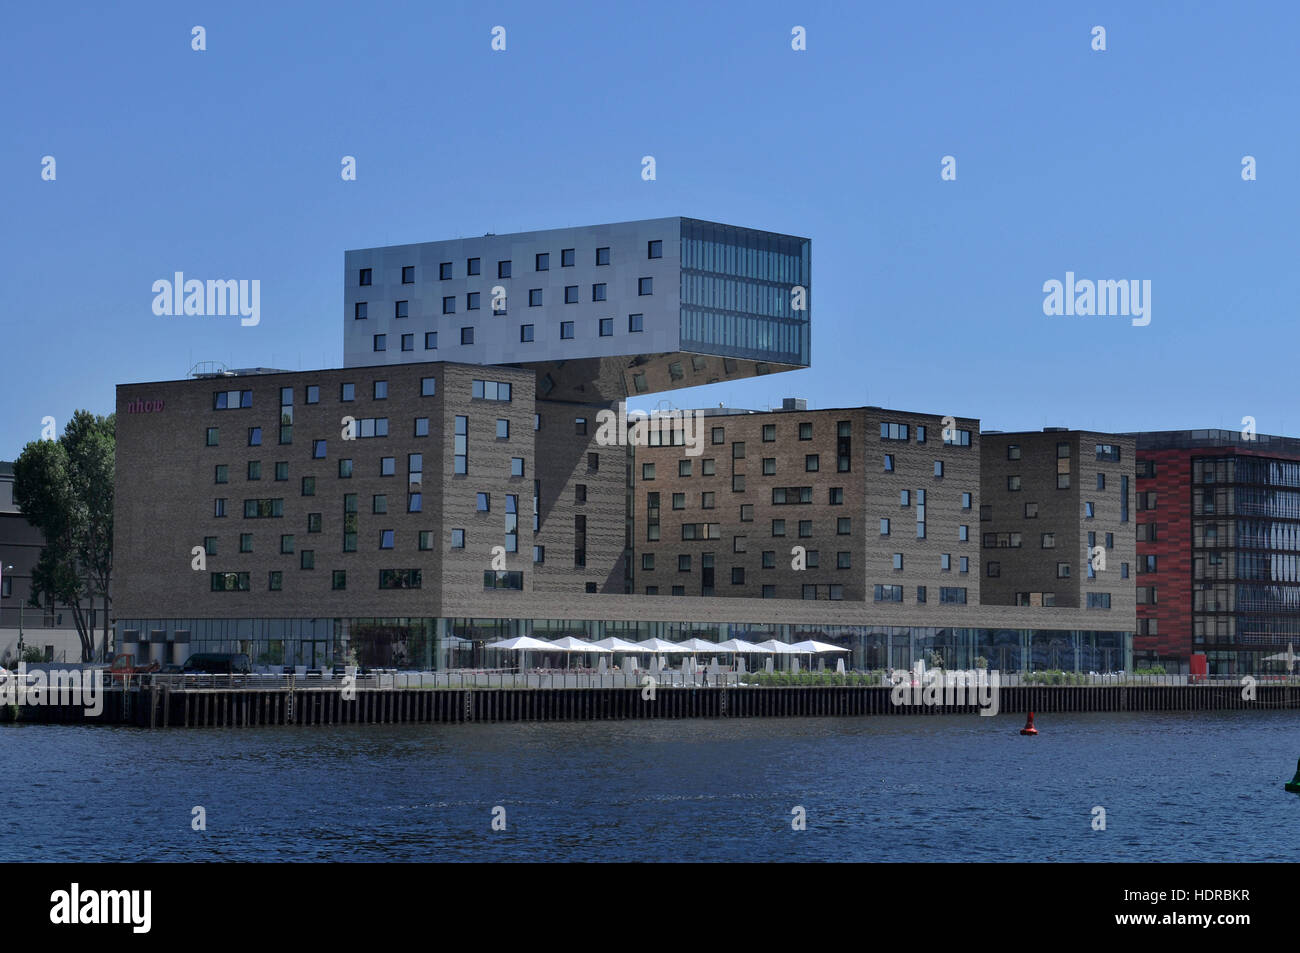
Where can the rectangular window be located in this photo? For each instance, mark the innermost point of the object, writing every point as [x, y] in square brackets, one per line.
[598, 292]
[602, 256]
[472, 266]
[503, 269]
[364, 277]
[444, 269]
[408, 274]
[655, 249]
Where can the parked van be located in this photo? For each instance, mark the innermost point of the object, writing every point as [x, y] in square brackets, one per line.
[218, 663]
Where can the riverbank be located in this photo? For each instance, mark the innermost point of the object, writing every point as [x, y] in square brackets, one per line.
[164, 706]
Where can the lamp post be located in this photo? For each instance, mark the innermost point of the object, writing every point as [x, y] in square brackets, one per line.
[20, 619]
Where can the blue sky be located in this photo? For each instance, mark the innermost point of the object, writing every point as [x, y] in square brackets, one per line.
[926, 295]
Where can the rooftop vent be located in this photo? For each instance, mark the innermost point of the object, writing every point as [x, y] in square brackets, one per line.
[794, 403]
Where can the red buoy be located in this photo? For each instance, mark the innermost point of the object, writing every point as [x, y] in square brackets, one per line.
[1029, 728]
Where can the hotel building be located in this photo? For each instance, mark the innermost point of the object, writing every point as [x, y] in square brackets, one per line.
[447, 485]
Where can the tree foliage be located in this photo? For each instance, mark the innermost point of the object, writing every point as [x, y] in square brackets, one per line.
[64, 488]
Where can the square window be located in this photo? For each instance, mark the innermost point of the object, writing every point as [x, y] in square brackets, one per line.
[381, 390]
[567, 258]
[364, 278]
[472, 301]
[449, 304]
[602, 256]
[472, 266]
[571, 294]
[655, 249]
[503, 269]
[466, 335]
[313, 393]
[598, 292]
[645, 286]
[525, 333]
[444, 269]
[534, 297]
[606, 327]
[635, 323]
[566, 330]
[360, 311]
[381, 342]
[542, 262]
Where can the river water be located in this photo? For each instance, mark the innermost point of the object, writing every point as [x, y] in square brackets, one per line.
[1174, 786]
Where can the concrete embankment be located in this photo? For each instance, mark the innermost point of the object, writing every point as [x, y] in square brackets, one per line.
[166, 707]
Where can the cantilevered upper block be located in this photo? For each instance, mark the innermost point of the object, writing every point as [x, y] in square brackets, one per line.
[600, 312]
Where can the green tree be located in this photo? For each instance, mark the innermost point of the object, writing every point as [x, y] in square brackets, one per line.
[64, 488]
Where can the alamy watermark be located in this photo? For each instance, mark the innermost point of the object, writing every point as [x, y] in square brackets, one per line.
[938, 687]
[666, 428]
[214, 297]
[61, 687]
[1104, 297]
